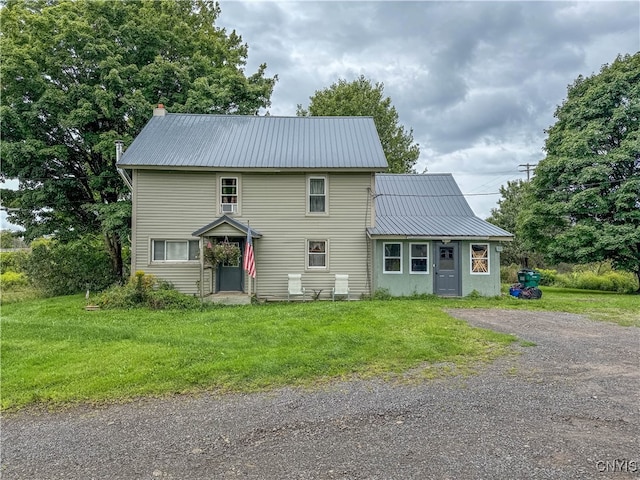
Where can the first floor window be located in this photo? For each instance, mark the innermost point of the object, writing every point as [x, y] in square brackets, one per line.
[175, 250]
[317, 254]
[479, 258]
[392, 258]
[419, 258]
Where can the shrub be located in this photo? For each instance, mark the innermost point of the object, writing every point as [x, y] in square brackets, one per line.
[509, 274]
[146, 290]
[13, 279]
[547, 276]
[382, 294]
[64, 268]
[171, 299]
[612, 281]
[15, 261]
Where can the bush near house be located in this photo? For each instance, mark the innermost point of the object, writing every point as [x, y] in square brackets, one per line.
[147, 291]
[59, 268]
[597, 276]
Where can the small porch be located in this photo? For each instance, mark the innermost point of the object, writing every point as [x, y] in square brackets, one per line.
[228, 298]
[225, 282]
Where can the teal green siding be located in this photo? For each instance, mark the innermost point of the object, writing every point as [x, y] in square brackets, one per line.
[406, 283]
[486, 284]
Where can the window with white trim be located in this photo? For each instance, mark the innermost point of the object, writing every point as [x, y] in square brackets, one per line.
[317, 254]
[228, 194]
[392, 261]
[479, 258]
[419, 261]
[317, 194]
[175, 250]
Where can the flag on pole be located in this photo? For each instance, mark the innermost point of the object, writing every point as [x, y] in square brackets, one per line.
[249, 263]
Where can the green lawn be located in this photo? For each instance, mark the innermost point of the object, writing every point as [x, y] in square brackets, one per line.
[54, 352]
[597, 305]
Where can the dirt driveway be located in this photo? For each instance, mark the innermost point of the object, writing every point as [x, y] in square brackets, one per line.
[566, 408]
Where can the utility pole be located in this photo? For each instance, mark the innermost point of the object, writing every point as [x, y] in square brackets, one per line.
[529, 167]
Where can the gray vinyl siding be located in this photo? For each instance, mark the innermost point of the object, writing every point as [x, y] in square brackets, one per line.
[276, 206]
[172, 205]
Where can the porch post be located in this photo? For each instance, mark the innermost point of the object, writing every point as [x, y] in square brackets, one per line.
[201, 268]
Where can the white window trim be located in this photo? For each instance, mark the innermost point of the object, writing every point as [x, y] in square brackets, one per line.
[488, 272]
[238, 203]
[411, 257]
[172, 262]
[326, 194]
[326, 255]
[384, 257]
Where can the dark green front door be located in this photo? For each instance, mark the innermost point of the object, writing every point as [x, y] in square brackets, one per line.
[229, 277]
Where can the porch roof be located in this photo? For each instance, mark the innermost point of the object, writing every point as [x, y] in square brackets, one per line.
[224, 219]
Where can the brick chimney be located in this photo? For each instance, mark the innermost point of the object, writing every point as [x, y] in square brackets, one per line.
[159, 111]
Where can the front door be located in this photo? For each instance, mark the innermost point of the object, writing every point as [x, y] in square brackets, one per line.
[229, 277]
[447, 274]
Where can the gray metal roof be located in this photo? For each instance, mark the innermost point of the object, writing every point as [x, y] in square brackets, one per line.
[429, 205]
[235, 141]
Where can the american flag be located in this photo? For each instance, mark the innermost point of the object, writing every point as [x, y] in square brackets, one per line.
[249, 263]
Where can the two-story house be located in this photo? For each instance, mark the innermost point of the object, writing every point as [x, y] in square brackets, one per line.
[311, 191]
[303, 184]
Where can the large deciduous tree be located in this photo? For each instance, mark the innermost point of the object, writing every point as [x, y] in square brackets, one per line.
[585, 197]
[77, 75]
[362, 98]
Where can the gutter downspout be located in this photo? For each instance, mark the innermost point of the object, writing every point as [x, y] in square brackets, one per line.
[123, 174]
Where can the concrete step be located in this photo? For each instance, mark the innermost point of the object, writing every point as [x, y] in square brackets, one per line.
[229, 298]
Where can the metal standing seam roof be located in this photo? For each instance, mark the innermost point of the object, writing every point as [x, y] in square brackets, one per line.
[239, 141]
[426, 205]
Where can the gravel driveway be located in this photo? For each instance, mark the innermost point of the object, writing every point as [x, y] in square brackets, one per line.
[568, 407]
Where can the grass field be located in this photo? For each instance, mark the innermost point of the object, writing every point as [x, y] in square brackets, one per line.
[54, 352]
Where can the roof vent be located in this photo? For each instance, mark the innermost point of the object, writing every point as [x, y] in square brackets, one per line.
[159, 111]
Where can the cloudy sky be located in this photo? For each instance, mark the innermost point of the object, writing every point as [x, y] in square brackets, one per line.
[478, 82]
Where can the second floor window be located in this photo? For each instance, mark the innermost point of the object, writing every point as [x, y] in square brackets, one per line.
[317, 195]
[228, 195]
